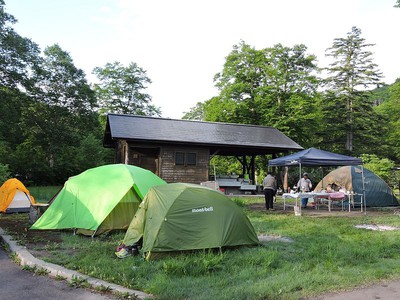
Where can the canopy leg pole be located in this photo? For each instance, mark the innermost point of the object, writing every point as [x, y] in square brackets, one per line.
[322, 181]
[299, 189]
[364, 199]
[299, 174]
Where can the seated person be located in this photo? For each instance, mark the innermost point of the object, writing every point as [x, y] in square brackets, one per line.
[335, 187]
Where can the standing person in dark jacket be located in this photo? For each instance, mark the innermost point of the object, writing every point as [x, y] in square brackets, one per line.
[270, 185]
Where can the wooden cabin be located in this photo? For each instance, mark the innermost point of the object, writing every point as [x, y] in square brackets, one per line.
[180, 150]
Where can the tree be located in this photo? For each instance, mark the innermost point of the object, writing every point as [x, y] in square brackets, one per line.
[241, 81]
[121, 90]
[18, 55]
[347, 109]
[60, 117]
[19, 59]
[390, 109]
[195, 113]
[4, 173]
[397, 4]
[273, 87]
[47, 111]
[12, 103]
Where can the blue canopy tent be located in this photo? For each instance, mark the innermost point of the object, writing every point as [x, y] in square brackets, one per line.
[315, 157]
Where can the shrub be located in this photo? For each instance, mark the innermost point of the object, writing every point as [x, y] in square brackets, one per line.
[382, 167]
[4, 173]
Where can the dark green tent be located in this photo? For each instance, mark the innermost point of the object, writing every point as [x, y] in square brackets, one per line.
[99, 199]
[377, 192]
[178, 217]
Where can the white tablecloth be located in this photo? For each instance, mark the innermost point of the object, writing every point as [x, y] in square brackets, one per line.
[314, 195]
[305, 195]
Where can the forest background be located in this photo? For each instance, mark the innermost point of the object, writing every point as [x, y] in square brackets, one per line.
[52, 119]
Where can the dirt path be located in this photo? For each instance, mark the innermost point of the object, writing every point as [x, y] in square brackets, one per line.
[383, 290]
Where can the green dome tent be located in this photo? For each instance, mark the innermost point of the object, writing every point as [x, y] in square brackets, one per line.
[179, 217]
[377, 192]
[99, 199]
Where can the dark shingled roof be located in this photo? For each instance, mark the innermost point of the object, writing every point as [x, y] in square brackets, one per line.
[223, 138]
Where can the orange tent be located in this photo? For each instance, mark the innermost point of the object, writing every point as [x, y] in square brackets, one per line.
[14, 196]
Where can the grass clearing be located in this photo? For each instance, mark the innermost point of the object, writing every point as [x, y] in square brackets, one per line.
[43, 194]
[326, 254]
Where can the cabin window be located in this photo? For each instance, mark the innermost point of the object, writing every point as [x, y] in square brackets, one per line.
[185, 159]
[179, 158]
[191, 159]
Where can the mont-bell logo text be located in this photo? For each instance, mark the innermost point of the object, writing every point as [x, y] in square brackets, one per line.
[203, 209]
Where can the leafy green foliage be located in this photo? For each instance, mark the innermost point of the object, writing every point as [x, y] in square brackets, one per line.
[48, 111]
[55, 123]
[382, 167]
[18, 55]
[121, 90]
[380, 94]
[225, 165]
[19, 58]
[271, 87]
[4, 173]
[390, 110]
[195, 113]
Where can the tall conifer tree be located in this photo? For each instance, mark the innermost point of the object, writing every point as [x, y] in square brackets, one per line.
[347, 109]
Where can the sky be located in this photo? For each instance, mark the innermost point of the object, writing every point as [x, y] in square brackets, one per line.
[182, 44]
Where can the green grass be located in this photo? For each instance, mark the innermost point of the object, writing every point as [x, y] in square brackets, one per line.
[327, 254]
[43, 194]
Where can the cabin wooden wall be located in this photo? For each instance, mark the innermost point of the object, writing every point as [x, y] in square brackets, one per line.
[160, 160]
[171, 172]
